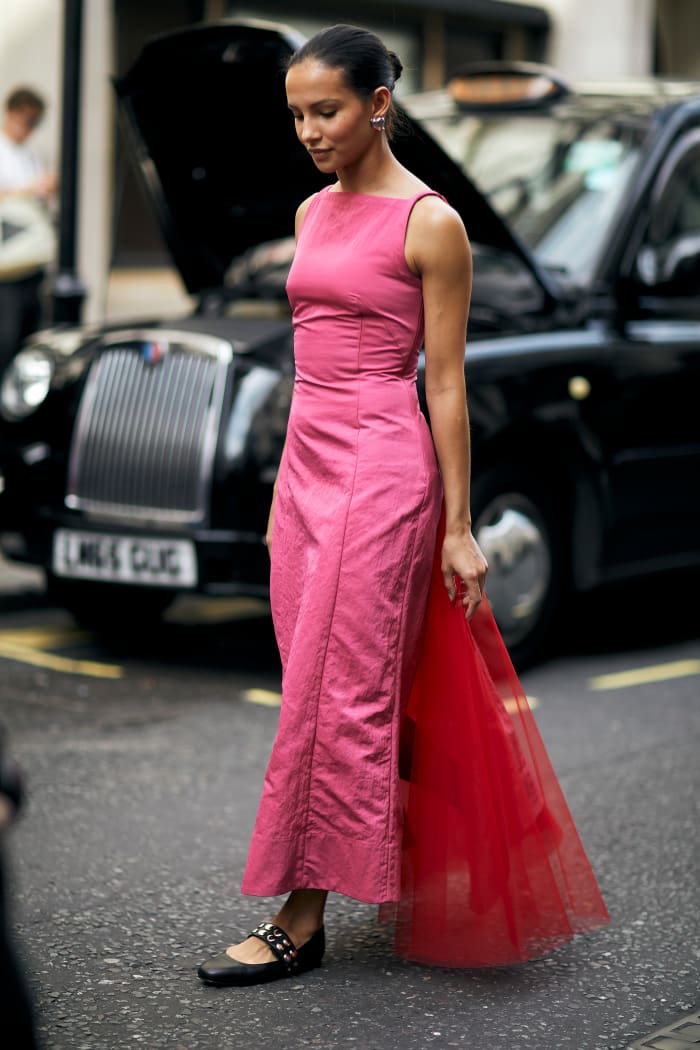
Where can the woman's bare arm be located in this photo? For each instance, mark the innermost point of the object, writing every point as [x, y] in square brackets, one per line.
[437, 249]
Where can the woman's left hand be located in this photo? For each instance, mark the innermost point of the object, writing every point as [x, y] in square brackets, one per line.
[463, 558]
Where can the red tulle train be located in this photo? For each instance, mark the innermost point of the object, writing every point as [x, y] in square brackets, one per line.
[494, 871]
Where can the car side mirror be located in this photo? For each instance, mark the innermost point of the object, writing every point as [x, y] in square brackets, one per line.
[675, 266]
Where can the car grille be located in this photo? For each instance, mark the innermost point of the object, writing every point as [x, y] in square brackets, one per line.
[145, 436]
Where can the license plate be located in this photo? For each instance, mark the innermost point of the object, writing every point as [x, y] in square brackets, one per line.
[142, 560]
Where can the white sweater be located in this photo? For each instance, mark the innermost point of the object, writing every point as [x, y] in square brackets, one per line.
[19, 165]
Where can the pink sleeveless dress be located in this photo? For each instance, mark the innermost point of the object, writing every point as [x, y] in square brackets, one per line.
[408, 769]
[357, 508]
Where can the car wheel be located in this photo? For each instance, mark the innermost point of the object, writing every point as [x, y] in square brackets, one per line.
[517, 525]
[108, 608]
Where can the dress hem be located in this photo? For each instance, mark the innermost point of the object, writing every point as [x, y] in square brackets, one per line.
[280, 889]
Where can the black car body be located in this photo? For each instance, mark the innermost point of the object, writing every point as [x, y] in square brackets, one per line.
[138, 461]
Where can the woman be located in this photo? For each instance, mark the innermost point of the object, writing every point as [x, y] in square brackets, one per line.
[382, 267]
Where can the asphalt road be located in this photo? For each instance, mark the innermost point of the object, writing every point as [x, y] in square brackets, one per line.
[144, 759]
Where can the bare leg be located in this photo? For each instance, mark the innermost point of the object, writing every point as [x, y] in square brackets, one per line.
[300, 916]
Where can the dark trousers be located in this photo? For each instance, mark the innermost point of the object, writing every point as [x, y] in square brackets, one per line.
[20, 314]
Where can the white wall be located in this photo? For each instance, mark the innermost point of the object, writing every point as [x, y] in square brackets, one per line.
[96, 155]
[30, 54]
[601, 39]
[31, 47]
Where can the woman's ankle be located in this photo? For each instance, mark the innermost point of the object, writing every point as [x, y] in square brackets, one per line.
[302, 914]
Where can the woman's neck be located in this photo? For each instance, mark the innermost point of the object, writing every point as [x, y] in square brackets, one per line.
[377, 172]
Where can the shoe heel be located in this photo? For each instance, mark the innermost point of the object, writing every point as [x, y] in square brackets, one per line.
[310, 955]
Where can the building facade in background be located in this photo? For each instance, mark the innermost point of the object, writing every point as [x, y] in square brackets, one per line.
[601, 40]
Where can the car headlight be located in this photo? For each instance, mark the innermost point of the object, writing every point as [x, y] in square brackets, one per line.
[26, 382]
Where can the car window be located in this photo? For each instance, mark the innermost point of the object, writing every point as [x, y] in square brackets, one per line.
[670, 254]
[678, 210]
[556, 178]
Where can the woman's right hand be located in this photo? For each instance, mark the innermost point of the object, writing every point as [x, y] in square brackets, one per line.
[463, 560]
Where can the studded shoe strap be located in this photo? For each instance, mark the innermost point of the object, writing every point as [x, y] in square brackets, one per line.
[278, 942]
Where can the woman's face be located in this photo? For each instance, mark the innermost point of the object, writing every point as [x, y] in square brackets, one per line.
[331, 120]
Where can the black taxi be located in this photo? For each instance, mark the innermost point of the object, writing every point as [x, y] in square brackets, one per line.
[137, 461]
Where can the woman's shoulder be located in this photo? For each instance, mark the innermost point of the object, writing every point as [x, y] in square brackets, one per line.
[429, 208]
[433, 215]
[435, 235]
[302, 210]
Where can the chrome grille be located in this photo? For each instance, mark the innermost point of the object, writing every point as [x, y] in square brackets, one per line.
[145, 436]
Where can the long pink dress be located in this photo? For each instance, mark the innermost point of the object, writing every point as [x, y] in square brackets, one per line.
[358, 502]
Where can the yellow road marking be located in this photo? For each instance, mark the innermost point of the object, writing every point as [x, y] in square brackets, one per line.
[266, 697]
[272, 699]
[644, 675]
[43, 637]
[38, 658]
[216, 610]
[512, 705]
[30, 645]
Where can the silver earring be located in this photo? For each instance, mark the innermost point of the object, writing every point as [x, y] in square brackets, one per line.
[378, 123]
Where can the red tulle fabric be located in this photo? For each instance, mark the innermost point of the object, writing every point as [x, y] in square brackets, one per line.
[493, 869]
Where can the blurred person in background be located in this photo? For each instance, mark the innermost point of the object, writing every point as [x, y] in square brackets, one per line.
[26, 235]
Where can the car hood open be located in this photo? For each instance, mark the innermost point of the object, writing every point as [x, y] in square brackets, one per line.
[207, 117]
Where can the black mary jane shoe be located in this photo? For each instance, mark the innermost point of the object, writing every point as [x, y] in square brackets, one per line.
[290, 961]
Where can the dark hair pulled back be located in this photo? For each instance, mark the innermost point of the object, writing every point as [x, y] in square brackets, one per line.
[364, 59]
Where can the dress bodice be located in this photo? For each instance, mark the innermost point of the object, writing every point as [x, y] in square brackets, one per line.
[357, 306]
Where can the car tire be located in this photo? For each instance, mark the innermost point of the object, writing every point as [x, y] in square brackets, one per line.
[517, 524]
[108, 608]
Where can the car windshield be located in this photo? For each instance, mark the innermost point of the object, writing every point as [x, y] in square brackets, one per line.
[556, 179]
